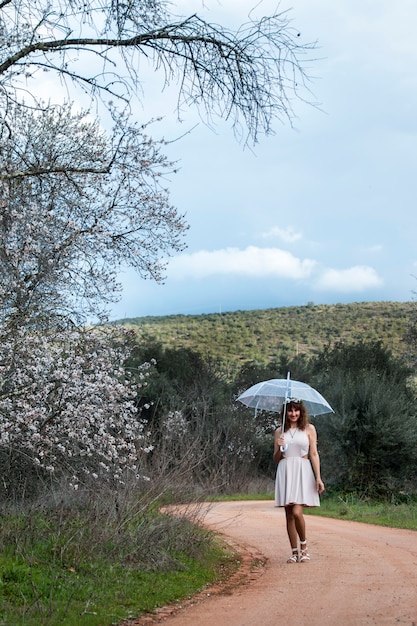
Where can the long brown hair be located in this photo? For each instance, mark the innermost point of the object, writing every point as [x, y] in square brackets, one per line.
[302, 421]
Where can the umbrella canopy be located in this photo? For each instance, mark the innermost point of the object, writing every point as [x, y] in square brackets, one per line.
[270, 395]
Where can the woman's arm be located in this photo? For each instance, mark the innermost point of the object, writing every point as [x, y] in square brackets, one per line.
[314, 457]
[278, 442]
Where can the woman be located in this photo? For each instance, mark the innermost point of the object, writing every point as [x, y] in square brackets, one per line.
[298, 482]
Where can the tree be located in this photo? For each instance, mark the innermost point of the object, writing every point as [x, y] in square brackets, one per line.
[369, 445]
[250, 74]
[64, 234]
[75, 205]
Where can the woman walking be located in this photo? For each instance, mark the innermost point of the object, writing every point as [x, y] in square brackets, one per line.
[298, 481]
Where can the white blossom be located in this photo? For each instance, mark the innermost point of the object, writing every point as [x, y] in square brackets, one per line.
[63, 396]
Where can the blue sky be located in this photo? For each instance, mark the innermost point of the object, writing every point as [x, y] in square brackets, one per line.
[322, 212]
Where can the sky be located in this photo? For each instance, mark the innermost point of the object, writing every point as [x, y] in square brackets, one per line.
[321, 212]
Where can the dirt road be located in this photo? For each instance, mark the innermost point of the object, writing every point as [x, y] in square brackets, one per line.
[358, 575]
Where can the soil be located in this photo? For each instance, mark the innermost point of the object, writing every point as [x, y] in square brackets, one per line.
[359, 574]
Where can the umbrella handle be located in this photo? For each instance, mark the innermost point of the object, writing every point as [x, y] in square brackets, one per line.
[284, 413]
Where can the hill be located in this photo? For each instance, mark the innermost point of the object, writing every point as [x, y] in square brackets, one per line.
[264, 335]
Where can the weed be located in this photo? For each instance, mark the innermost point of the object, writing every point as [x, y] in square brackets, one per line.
[87, 563]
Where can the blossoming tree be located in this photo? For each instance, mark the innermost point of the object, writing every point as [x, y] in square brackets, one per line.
[66, 401]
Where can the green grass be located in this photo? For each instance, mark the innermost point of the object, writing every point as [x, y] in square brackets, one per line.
[241, 497]
[49, 574]
[96, 593]
[354, 508]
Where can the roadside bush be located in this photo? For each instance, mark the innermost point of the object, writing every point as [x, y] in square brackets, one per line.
[370, 444]
[102, 554]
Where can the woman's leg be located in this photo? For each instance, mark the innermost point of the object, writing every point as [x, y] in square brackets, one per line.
[291, 525]
[292, 534]
[299, 523]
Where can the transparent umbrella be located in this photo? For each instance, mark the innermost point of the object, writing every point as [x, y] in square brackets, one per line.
[272, 395]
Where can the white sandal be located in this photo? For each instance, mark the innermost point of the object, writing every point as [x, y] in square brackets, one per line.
[304, 555]
[294, 557]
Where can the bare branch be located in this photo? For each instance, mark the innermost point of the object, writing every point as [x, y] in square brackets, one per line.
[67, 170]
[253, 73]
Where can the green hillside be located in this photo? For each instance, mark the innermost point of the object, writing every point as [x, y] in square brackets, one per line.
[263, 335]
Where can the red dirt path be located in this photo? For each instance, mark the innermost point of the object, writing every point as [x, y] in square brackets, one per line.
[359, 574]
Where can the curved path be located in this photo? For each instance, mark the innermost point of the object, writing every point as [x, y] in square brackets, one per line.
[359, 574]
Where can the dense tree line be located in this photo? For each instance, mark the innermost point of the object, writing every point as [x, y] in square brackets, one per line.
[368, 445]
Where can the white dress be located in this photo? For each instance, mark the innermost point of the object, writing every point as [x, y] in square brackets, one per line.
[295, 482]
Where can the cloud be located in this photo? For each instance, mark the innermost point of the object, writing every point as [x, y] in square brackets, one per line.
[289, 235]
[251, 262]
[255, 262]
[353, 279]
